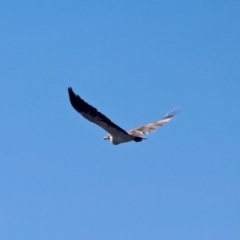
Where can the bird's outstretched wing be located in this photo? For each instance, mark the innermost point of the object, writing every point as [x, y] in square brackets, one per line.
[152, 127]
[92, 114]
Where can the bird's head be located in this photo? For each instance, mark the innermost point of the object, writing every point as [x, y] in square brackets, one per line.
[107, 137]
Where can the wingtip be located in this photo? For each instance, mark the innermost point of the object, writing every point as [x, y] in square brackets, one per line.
[70, 91]
[174, 112]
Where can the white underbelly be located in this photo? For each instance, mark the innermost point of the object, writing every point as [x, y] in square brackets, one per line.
[121, 138]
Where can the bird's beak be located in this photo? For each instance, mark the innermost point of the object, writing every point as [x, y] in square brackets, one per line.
[104, 138]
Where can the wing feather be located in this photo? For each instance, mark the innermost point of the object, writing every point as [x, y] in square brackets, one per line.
[152, 127]
[92, 114]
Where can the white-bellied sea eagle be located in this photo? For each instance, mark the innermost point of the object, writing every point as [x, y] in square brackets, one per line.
[115, 134]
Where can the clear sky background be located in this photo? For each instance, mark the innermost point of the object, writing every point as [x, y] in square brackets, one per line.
[135, 61]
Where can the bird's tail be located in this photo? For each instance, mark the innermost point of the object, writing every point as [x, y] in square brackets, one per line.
[138, 139]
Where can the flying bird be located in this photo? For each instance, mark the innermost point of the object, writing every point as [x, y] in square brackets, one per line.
[115, 134]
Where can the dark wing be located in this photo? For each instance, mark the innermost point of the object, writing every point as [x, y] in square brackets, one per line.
[152, 127]
[92, 114]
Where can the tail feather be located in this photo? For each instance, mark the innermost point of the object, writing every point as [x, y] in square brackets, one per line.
[138, 139]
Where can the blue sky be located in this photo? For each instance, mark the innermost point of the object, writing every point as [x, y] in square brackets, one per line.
[135, 61]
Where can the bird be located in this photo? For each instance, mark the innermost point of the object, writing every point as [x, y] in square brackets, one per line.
[116, 135]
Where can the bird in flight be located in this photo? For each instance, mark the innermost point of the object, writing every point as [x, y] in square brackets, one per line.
[116, 135]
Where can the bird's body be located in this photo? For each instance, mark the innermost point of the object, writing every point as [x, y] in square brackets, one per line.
[115, 134]
[119, 138]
